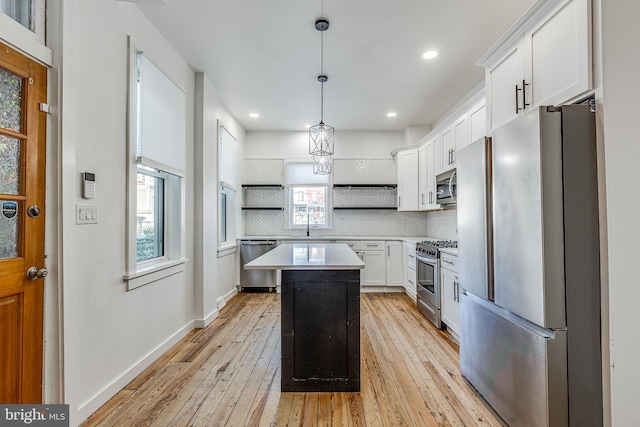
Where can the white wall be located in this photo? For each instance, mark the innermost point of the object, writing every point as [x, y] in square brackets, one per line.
[213, 277]
[348, 144]
[621, 110]
[110, 334]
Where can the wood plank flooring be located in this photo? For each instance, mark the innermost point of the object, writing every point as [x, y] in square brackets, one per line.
[228, 374]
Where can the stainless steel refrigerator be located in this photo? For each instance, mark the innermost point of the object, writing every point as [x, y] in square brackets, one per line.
[529, 264]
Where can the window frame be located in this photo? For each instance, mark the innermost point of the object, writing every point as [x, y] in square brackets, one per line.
[30, 41]
[141, 273]
[230, 231]
[159, 205]
[292, 197]
[327, 206]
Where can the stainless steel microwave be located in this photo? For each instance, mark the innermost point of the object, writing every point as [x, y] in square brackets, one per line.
[446, 188]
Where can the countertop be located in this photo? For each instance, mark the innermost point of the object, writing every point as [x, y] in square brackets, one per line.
[308, 256]
[452, 251]
[408, 239]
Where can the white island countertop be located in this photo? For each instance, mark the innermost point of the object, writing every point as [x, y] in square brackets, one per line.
[308, 256]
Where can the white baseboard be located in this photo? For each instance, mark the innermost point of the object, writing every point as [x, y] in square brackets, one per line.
[220, 302]
[381, 289]
[226, 297]
[203, 323]
[89, 407]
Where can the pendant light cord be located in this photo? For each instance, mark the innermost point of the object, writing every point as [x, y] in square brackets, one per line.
[322, 74]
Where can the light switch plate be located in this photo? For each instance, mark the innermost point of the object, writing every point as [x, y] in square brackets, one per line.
[86, 214]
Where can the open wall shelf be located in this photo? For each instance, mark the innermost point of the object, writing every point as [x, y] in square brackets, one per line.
[366, 186]
[263, 197]
[364, 196]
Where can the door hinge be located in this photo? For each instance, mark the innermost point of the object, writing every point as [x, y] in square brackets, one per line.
[46, 108]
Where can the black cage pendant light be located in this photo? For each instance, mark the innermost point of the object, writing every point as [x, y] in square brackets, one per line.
[321, 135]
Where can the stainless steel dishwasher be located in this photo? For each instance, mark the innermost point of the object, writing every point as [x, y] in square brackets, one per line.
[256, 280]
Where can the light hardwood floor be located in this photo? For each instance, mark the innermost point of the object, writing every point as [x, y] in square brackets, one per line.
[228, 374]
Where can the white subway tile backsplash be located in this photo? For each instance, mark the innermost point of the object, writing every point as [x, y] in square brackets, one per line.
[345, 222]
[264, 171]
[443, 224]
[364, 171]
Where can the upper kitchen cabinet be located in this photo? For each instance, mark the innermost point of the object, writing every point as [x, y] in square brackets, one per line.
[477, 122]
[427, 175]
[453, 138]
[545, 59]
[407, 166]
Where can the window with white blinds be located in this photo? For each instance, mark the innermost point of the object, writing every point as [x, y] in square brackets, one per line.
[160, 120]
[228, 155]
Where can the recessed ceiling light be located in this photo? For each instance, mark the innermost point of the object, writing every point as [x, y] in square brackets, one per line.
[254, 115]
[430, 54]
[392, 114]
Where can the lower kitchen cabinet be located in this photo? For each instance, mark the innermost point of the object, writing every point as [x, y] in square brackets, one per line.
[374, 272]
[409, 262]
[394, 263]
[450, 293]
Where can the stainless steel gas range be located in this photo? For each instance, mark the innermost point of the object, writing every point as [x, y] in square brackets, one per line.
[428, 278]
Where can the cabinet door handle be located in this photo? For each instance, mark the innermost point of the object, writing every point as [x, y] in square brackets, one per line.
[456, 290]
[399, 201]
[430, 197]
[524, 94]
[389, 251]
[423, 199]
[517, 101]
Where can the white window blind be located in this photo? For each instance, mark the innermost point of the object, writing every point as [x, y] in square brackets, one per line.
[302, 174]
[161, 120]
[228, 159]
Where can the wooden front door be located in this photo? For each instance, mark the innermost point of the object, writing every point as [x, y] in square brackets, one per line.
[23, 85]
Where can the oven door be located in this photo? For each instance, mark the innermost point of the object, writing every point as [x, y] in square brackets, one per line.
[428, 288]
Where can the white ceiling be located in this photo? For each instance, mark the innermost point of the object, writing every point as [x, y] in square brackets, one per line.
[264, 56]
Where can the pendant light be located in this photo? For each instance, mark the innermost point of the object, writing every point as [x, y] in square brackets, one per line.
[321, 164]
[321, 135]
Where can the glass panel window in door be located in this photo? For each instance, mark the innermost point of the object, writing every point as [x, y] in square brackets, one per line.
[9, 235]
[10, 161]
[10, 101]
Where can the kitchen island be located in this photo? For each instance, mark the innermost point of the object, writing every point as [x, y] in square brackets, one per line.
[320, 323]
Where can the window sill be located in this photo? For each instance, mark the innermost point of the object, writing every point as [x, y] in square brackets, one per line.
[227, 250]
[154, 273]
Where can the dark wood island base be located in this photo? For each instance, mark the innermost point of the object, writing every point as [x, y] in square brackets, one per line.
[320, 330]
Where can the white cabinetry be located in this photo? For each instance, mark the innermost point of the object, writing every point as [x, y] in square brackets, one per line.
[453, 138]
[477, 122]
[383, 263]
[409, 255]
[504, 83]
[427, 175]
[394, 263]
[407, 163]
[545, 59]
[450, 292]
[374, 256]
